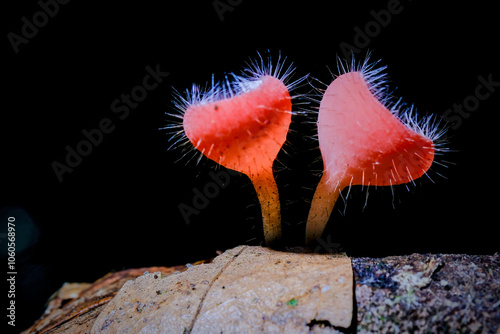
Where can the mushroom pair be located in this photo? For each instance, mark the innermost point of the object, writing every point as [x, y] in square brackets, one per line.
[363, 138]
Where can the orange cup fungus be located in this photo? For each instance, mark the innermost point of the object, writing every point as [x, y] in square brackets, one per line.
[364, 138]
[363, 141]
[243, 125]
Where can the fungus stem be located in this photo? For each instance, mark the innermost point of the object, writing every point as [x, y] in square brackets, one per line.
[325, 197]
[267, 192]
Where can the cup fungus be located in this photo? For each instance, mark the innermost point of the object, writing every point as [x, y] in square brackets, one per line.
[242, 125]
[366, 140]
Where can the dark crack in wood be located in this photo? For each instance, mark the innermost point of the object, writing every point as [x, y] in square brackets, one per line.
[200, 305]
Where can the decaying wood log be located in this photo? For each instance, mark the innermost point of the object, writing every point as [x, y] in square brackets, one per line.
[245, 290]
[253, 289]
[428, 294]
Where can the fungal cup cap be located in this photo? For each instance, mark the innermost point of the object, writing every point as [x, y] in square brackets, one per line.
[245, 132]
[366, 143]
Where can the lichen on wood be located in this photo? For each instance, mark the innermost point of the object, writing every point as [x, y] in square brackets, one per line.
[423, 293]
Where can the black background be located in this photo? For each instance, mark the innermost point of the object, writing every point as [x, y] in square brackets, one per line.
[119, 207]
